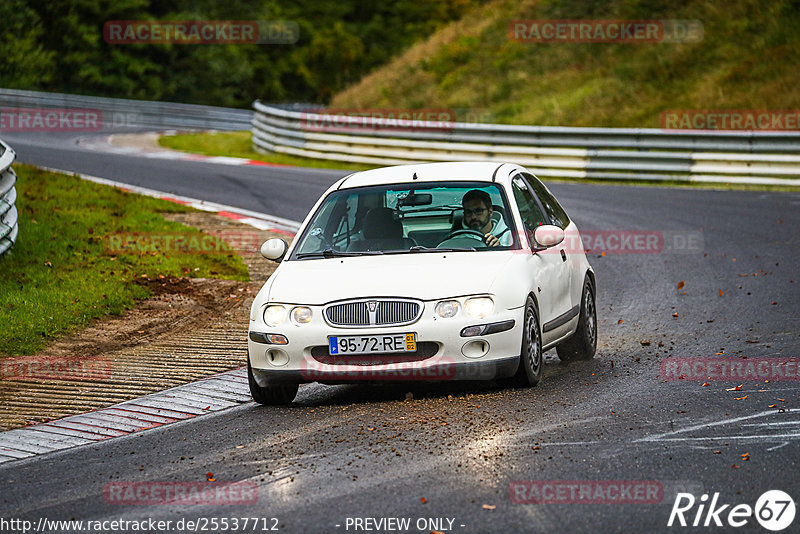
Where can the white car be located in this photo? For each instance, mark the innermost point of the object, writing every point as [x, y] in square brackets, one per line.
[440, 271]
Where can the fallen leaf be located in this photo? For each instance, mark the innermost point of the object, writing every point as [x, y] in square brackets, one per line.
[737, 388]
[735, 466]
[773, 405]
[602, 254]
[489, 507]
[721, 292]
[675, 314]
[210, 477]
[681, 284]
[782, 400]
[706, 384]
[740, 398]
[207, 408]
[619, 322]
[422, 500]
[746, 456]
[645, 343]
[717, 452]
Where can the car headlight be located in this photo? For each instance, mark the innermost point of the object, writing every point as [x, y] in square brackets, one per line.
[274, 315]
[479, 307]
[301, 315]
[447, 308]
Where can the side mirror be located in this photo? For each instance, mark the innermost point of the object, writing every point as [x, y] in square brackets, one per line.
[274, 249]
[548, 235]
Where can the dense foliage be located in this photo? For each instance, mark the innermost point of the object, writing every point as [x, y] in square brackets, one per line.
[58, 45]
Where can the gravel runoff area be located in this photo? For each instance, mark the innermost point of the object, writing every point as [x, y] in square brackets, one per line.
[190, 328]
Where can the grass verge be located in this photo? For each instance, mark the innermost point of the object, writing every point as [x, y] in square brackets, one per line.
[62, 272]
[240, 145]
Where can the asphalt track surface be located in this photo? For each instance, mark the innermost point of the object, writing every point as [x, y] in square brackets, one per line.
[341, 453]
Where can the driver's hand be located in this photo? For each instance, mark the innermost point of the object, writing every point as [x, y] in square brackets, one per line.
[491, 240]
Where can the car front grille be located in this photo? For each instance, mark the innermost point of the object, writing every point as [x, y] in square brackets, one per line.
[373, 312]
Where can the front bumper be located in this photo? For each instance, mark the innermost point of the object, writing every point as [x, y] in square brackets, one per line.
[442, 353]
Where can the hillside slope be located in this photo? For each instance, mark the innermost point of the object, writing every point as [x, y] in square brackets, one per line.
[749, 58]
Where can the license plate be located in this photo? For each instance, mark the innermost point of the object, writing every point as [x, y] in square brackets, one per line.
[338, 345]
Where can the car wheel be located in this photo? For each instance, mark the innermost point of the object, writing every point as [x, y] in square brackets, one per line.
[271, 395]
[531, 360]
[583, 343]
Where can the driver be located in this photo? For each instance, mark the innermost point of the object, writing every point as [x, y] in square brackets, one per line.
[478, 213]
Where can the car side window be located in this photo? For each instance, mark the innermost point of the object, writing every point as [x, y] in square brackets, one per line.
[529, 210]
[555, 213]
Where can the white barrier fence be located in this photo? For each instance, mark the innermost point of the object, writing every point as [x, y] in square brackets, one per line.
[8, 195]
[120, 113]
[745, 157]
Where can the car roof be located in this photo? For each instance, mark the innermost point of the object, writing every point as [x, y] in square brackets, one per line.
[479, 171]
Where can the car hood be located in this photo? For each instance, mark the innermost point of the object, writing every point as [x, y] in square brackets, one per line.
[425, 276]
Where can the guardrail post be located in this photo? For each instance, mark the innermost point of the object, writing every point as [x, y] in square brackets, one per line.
[9, 226]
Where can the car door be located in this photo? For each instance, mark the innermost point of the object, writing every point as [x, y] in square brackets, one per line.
[548, 268]
[557, 216]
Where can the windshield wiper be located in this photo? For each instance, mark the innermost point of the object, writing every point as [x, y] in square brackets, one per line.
[420, 248]
[330, 253]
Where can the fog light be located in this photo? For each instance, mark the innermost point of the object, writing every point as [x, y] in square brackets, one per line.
[277, 357]
[475, 349]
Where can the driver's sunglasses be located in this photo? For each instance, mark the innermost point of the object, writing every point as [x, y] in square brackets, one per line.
[476, 211]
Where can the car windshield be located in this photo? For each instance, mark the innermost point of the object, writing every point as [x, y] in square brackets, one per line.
[401, 218]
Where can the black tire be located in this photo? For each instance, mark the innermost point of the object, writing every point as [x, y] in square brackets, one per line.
[531, 359]
[272, 395]
[582, 345]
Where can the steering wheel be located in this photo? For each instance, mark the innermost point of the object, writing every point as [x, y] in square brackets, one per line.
[474, 234]
[465, 233]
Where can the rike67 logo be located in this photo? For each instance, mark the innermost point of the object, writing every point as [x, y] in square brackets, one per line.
[774, 510]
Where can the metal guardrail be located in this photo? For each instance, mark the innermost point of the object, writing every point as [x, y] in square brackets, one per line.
[9, 227]
[119, 113]
[745, 157]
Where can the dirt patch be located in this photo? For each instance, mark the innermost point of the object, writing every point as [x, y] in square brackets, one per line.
[189, 328]
[176, 304]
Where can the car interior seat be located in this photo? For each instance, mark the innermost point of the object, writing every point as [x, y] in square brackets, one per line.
[382, 231]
